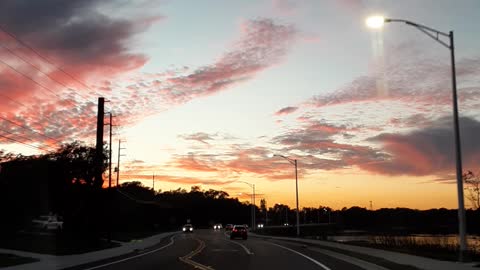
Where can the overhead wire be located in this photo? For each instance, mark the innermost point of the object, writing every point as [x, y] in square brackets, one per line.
[29, 145]
[2, 28]
[37, 83]
[40, 70]
[25, 127]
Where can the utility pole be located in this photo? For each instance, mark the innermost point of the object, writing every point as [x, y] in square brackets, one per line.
[153, 182]
[118, 164]
[254, 207]
[110, 150]
[99, 143]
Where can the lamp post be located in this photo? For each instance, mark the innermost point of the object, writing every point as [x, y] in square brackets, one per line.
[253, 205]
[294, 162]
[377, 22]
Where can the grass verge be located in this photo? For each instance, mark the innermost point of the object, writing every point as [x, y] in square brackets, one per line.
[55, 244]
[11, 260]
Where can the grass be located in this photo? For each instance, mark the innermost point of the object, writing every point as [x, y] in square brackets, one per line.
[131, 236]
[10, 260]
[433, 247]
[61, 244]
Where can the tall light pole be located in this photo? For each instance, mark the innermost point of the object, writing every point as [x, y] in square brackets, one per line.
[253, 205]
[294, 162]
[377, 22]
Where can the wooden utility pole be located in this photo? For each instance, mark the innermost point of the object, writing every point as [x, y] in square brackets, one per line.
[99, 143]
[153, 182]
[110, 154]
[118, 162]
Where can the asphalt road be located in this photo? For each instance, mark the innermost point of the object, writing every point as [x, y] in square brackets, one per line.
[208, 249]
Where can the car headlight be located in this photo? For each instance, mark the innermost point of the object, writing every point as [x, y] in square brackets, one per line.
[191, 229]
[184, 229]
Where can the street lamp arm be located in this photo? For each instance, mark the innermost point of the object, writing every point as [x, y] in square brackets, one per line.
[251, 185]
[292, 161]
[433, 33]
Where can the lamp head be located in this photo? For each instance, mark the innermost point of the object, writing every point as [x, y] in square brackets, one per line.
[376, 22]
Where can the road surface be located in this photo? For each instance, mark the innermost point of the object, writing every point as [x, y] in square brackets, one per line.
[209, 249]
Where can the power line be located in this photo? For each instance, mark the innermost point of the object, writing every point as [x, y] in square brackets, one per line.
[27, 139]
[39, 70]
[43, 57]
[13, 100]
[37, 83]
[29, 145]
[27, 128]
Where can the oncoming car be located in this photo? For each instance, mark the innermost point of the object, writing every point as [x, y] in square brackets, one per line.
[217, 226]
[239, 231]
[187, 228]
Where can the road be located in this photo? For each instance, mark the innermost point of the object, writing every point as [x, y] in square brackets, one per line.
[208, 249]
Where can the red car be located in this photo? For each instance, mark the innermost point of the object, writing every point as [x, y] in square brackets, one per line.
[239, 231]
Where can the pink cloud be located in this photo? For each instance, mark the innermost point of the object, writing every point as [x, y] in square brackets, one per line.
[427, 151]
[286, 110]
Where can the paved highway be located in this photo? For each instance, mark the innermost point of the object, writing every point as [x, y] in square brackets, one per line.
[208, 249]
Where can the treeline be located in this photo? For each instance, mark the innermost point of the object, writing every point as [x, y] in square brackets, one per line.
[63, 183]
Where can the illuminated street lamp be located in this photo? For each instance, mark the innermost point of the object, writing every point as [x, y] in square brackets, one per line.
[378, 22]
[293, 162]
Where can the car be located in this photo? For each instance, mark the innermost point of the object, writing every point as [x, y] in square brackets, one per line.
[48, 222]
[239, 231]
[217, 226]
[228, 227]
[187, 228]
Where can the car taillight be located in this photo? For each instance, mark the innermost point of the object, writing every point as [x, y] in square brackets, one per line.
[234, 230]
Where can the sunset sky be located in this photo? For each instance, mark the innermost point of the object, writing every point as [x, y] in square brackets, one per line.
[203, 91]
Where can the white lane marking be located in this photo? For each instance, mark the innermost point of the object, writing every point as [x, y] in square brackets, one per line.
[244, 247]
[303, 255]
[351, 260]
[133, 257]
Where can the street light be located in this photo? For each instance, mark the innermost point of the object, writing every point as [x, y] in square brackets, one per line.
[253, 200]
[293, 162]
[377, 22]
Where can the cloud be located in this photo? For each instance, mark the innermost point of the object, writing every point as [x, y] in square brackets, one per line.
[427, 151]
[409, 76]
[190, 163]
[199, 137]
[262, 44]
[286, 110]
[77, 36]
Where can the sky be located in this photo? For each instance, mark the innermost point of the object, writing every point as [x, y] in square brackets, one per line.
[204, 92]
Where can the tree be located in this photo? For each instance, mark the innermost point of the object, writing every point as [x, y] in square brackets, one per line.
[77, 161]
[472, 182]
[263, 205]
